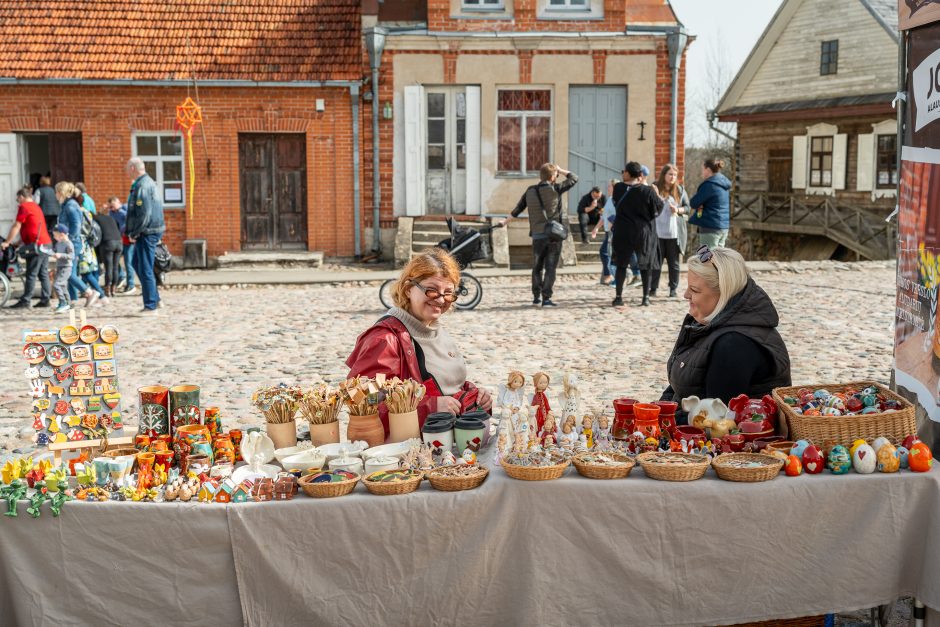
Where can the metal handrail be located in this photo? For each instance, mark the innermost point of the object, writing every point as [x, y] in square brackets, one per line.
[587, 158]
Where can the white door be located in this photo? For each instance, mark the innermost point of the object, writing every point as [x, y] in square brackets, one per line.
[9, 181]
[452, 146]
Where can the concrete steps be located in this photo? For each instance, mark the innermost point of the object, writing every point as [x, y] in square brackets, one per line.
[272, 258]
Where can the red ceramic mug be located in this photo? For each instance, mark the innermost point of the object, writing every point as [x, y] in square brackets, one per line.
[693, 435]
[624, 424]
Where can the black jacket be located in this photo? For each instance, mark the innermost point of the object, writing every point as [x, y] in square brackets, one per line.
[544, 204]
[109, 228]
[750, 320]
[634, 229]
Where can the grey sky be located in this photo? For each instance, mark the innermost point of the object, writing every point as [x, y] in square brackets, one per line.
[726, 31]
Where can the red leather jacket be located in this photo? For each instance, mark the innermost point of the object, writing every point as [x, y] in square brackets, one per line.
[386, 347]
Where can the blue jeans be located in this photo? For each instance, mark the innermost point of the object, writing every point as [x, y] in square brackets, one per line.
[606, 269]
[92, 280]
[634, 265]
[77, 287]
[144, 252]
[128, 270]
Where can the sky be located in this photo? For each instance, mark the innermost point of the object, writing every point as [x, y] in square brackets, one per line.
[726, 31]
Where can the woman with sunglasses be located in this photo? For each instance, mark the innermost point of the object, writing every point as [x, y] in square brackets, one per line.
[410, 343]
[729, 343]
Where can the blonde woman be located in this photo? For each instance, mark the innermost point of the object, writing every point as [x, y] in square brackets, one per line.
[71, 216]
[409, 342]
[728, 344]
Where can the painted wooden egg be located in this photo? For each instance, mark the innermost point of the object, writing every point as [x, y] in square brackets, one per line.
[822, 394]
[864, 459]
[794, 467]
[887, 457]
[798, 447]
[857, 443]
[840, 462]
[831, 411]
[813, 461]
[920, 459]
[902, 456]
[835, 402]
[909, 441]
[879, 442]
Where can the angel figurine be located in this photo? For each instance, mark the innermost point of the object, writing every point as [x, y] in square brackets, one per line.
[539, 400]
[511, 394]
[602, 437]
[587, 430]
[572, 395]
[569, 434]
[549, 433]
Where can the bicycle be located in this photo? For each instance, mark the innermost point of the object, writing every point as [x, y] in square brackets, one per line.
[10, 268]
[466, 245]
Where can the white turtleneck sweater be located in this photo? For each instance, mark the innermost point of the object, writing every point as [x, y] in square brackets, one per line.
[441, 357]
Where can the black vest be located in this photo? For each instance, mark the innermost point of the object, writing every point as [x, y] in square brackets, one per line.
[752, 314]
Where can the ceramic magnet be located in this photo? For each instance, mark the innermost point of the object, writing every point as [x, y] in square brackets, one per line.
[80, 389]
[63, 374]
[88, 334]
[57, 355]
[68, 334]
[103, 351]
[46, 371]
[73, 421]
[104, 368]
[80, 353]
[41, 404]
[40, 337]
[78, 406]
[94, 403]
[112, 400]
[109, 334]
[34, 353]
[61, 408]
[83, 371]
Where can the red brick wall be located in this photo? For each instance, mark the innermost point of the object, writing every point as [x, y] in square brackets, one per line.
[663, 109]
[524, 19]
[107, 117]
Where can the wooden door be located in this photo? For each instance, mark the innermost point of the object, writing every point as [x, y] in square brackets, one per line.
[597, 136]
[273, 174]
[65, 157]
[779, 171]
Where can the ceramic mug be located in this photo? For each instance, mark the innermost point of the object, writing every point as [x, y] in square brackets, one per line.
[440, 435]
[184, 406]
[468, 433]
[102, 468]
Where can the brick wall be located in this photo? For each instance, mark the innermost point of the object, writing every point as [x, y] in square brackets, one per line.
[108, 116]
[524, 18]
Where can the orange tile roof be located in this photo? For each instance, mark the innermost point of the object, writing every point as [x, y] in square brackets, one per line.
[260, 40]
[650, 12]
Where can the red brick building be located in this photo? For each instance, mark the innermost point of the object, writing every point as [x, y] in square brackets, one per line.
[86, 85]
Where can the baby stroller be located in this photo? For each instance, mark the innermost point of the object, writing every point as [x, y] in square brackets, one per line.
[466, 245]
[10, 268]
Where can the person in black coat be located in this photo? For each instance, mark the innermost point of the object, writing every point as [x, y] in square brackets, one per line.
[634, 230]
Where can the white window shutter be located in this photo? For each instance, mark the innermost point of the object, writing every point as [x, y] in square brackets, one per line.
[473, 150]
[865, 169]
[414, 151]
[839, 159]
[799, 162]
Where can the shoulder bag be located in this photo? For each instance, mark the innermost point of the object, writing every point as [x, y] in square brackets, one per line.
[556, 230]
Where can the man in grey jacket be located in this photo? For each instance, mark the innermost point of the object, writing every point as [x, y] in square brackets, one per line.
[543, 202]
[143, 227]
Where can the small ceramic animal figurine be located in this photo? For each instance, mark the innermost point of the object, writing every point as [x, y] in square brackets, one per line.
[572, 396]
[510, 394]
[569, 434]
[469, 457]
[448, 459]
[587, 430]
[539, 401]
[702, 409]
[549, 430]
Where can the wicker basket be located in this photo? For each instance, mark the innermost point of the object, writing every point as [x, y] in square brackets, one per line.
[769, 469]
[326, 490]
[845, 429]
[120, 452]
[456, 484]
[535, 473]
[655, 468]
[392, 487]
[598, 471]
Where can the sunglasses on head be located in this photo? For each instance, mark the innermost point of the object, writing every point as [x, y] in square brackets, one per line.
[433, 294]
[704, 253]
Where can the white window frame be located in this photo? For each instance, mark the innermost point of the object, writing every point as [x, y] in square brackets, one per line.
[867, 160]
[482, 5]
[550, 114]
[839, 158]
[583, 6]
[160, 159]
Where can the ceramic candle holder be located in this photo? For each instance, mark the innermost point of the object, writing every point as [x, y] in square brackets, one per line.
[184, 406]
[152, 410]
[624, 424]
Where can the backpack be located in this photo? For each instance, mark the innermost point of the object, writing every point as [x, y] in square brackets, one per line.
[91, 230]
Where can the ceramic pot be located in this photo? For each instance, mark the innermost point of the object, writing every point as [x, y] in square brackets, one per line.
[212, 419]
[402, 427]
[184, 406]
[165, 458]
[376, 464]
[152, 413]
[667, 416]
[440, 435]
[223, 451]
[198, 464]
[186, 436]
[158, 445]
[142, 441]
[352, 464]
[693, 435]
[145, 469]
[283, 434]
[366, 428]
[735, 442]
[623, 426]
[646, 419]
[236, 435]
[468, 434]
[324, 434]
[102, 468]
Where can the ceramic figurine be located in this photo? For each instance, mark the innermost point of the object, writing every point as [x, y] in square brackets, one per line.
[519, 420]
[840, 462]
[864, 459]
[448, 459]
[569, 434]
[887, 456]
[794, 467]
[511, 394]
[587, 430]
[755, 417]
[920, 459]
[539, 402]
[703, 409]
[571, 396]
[602, 437]
[425, 458]
[469, 457]
[813, 462]
[548, 435]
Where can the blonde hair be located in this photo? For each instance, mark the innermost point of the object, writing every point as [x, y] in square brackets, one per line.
[433, 262]
[725, 272]
[65, 189]
[538, 376]
[515, 374]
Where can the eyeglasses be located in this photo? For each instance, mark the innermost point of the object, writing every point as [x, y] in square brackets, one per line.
[433, 294]
[704, 253]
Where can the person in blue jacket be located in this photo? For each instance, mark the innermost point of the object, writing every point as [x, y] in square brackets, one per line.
[711, 205]
[143, 226]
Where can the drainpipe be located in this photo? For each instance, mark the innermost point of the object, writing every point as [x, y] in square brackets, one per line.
[357, 221]
[675, 44]
[375, 45]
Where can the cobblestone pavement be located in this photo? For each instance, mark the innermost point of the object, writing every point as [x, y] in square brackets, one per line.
[836, 320]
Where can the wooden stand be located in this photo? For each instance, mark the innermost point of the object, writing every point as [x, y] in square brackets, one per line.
[82, 444]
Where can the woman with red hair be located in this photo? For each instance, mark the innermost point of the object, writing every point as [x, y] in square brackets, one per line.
[409, 342]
